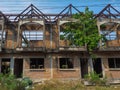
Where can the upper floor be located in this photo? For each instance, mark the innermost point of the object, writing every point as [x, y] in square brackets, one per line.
[32, 30]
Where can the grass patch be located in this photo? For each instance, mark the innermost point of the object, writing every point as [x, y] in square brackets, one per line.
[70, 85]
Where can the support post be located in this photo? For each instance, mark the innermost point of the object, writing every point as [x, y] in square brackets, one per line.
[90, 65]
[100, 42]
[12, 65]
[2, 34]
[0, 64]
[103, 67]
[51, 65]
[18, 35]
[51, 36]
[24, 61]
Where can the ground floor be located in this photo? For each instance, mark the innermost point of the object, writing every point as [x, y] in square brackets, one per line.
[60, 65]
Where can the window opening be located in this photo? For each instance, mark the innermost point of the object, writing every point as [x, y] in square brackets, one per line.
[36, 63]
[66, 63]
[114, 62]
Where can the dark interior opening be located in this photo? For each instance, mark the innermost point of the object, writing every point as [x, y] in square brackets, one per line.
[5, 66]
[18, 68]
[36, 63]
[84, 66]
[65, 63]
[114, 62]
[97, 65]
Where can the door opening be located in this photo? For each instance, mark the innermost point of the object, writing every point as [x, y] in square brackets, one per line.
[97, 65]
[5, 65]
[84, 66]
[18, 68]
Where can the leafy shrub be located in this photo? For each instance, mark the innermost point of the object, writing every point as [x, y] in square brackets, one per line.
[94, 78]
[9, 82]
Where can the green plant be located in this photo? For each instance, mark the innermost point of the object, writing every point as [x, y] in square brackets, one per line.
[27, 81]
[64, 66]
[94, 79]
[9, 82]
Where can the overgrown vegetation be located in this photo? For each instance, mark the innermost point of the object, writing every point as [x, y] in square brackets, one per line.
[70, 85]
[83, 32]
[95, 79]
[9, 82]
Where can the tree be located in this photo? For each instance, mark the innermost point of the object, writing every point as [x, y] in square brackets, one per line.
[84, 32]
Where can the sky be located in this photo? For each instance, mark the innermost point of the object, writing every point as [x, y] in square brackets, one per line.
[55, 6]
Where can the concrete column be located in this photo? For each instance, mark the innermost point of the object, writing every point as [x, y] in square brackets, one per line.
[51, 65]
[2, 34]
[90, 65]
[18, 36]
[24, 67]
[104, 63]
[51, 33]
[77, 65]
[103, 69]
[12, 65]
[100, 42]
[0, 64]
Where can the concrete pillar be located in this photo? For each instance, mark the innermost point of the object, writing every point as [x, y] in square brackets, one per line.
[18, 36]
[0, 64]
[12, 65]
[103, 69]
[2, 34]
[24, 67]
[78, 65]
[100, 42]
[90, 65]
[50, 57]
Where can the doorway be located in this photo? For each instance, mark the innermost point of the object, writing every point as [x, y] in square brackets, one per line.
[5, 65]
[18, 68]
[84, 66]
[97, 65]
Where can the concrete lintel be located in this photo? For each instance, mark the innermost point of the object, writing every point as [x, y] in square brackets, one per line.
[62, 22]
[66, 20]
[21, 22]
[103, 21]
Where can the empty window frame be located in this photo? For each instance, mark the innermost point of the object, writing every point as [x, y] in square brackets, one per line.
[109, 35]
[114, 62]
[36, 63]
[33, 35]
[2, 36]
[66, 63]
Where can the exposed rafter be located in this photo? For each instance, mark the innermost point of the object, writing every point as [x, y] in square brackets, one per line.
[108, 12]
[31, 12]
[67, 12]
[3, 16]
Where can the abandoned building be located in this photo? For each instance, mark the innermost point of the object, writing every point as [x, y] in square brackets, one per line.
[30, 45]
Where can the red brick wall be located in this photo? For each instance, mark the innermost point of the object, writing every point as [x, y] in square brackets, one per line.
[55, 72]
[35, 74]
[69, 73]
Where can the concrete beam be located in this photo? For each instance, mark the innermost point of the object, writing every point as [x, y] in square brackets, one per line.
[21, 22]
[101, 21]
[66, 20]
